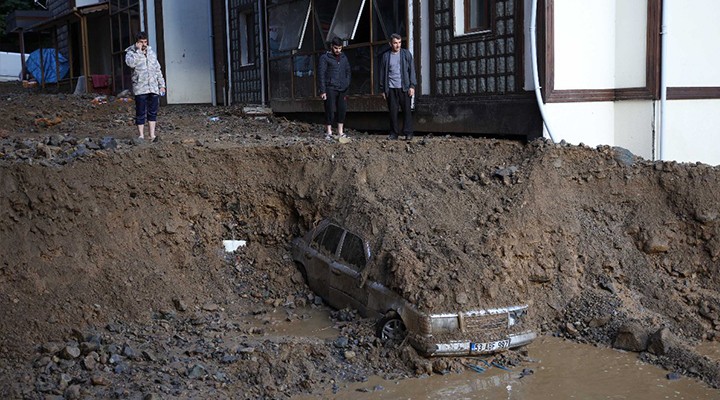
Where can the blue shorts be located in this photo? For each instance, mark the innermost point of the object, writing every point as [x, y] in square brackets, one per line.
[146, 105]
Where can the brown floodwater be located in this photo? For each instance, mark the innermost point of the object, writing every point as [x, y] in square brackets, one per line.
[560, 370]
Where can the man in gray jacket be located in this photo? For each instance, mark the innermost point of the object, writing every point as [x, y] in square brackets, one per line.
[397, 84]
[147, 81]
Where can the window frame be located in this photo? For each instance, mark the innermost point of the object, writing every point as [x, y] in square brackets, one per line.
[461, 18]
[246, 27]
[487, 23]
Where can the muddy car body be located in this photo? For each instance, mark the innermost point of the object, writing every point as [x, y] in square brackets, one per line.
[332, 260]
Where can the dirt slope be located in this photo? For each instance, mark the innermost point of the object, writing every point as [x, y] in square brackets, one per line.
[100, 235]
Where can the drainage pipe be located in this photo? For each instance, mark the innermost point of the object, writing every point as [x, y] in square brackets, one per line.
[663, 80]
[228, 61]
[212, 53]
[262, 8]
[536, 77]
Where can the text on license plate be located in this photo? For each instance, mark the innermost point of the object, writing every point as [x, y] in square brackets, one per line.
[490, 346]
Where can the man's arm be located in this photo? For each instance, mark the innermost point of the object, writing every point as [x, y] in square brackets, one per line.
[322, 70]
[133, 58]
[411, 70]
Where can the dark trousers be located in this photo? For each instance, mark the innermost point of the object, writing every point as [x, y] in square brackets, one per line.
[398, 100]
[335, 107]
[146, 105]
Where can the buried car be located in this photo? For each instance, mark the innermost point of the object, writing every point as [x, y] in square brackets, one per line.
[332, 260]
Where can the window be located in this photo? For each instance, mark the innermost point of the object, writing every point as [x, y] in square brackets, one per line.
[473, 16]
[353, 251]
[345, 21]
[328, 239]
[247, 34]
[287, 24]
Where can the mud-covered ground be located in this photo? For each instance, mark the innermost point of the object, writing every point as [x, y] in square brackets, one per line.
[114, 282]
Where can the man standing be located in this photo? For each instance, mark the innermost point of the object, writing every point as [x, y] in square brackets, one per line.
[397, 84]
[147, 83]
[334, 80]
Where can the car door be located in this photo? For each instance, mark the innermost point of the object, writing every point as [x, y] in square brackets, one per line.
[319, 255]
[346, 273]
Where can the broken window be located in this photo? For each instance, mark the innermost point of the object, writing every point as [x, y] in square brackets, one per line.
[287, 25]
[346, 19]
[353, 252]
[331, 239]
[472, 16]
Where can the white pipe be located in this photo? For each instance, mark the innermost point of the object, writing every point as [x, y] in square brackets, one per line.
[663, 80]
[212, 54]
[536, 77]
[228, 62]
[260, 15]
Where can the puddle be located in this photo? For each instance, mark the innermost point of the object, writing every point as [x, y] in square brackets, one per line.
[562, 370]
[303, 322]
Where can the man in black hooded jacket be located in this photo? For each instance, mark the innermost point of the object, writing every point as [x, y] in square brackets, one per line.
[334, 80]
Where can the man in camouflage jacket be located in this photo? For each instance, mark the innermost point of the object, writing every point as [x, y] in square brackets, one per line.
[147, 82]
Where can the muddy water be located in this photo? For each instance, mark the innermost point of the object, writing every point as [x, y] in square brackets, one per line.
[560, 370]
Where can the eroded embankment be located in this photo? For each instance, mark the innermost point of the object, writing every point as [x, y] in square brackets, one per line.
[590, 238]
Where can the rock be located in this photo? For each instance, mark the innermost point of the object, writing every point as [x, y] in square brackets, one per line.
[80, 151]
[128, 352]
[148, 356]
[631, 337]
[341, 342]
[599, 321]
[51, 347]
[88, 347]
[151, 396]
[662, 341]
[108, 143]
[571, 330]
[89, 362]
[72, 392]
[673, 376]
[99, 381]
[210, 307]
[656, 245]
[196, 371]
[461, 298]
[623, 156]
[506, 172]
[70, 352]
[349, 355]
[180, 305]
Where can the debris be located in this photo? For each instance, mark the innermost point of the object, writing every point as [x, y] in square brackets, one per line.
[232, 245]
[47, 122]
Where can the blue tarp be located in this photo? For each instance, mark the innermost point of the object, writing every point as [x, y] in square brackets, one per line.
[48, 64]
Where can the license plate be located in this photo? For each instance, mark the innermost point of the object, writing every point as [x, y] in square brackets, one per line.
[489, 346]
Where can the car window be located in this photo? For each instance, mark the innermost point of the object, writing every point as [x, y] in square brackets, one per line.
[353, 251]
[328, 239]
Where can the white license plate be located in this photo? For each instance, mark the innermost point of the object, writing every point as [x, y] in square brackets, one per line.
[489, 346]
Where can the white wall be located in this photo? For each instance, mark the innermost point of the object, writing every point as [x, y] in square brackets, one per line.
[600, 44]
[693, 42]
[188, 51]
[692, 131]
[10, 66]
